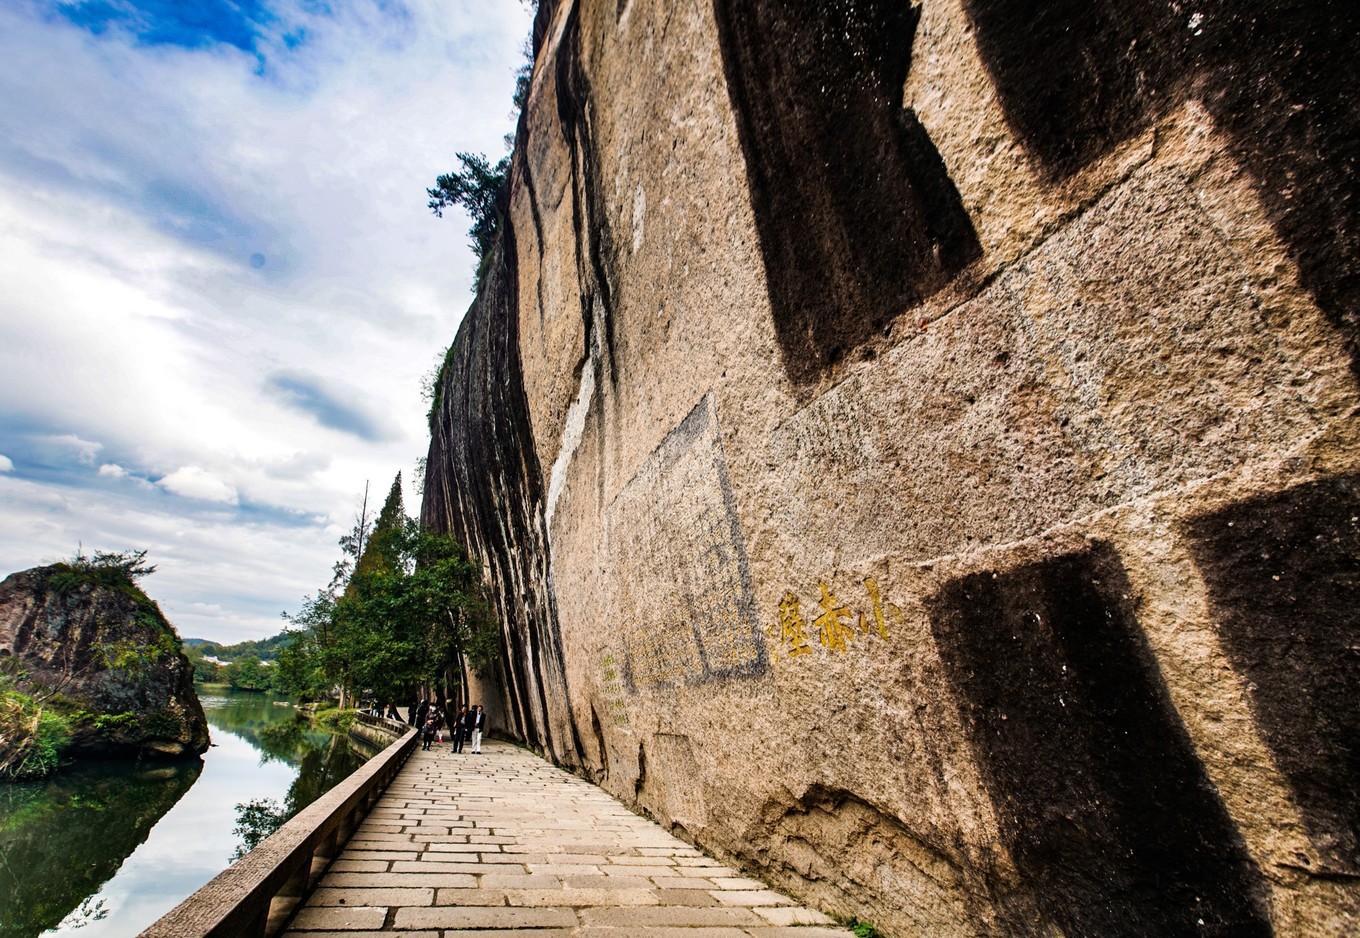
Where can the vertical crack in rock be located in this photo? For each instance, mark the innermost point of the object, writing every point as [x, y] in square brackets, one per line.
[1099, 795]
[1076, 78]
[857, 216]
[527, 174]
[589, 217]
[1283, 574]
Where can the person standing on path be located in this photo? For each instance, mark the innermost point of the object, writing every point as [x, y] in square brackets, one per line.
[427, 732]
[460, 728]
[477, 720]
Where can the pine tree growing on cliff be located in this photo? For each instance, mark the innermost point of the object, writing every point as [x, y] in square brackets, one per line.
[477, 188]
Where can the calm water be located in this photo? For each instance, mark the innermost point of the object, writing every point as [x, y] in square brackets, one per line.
[103, 850]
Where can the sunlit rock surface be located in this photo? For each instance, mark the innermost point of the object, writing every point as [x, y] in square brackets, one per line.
[914, 451]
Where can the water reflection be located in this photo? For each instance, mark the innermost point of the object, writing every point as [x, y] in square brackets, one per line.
[106, 849]
[48, 833]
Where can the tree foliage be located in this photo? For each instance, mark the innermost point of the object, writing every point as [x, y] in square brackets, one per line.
[118, 570]
[409, 616]
[476, 188]
[247, 673]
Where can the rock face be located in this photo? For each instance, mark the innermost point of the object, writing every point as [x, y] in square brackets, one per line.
[914, 450]
[112, 657]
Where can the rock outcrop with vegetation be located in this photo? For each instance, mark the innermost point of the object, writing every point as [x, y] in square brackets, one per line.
[87, 654]
[913, 450]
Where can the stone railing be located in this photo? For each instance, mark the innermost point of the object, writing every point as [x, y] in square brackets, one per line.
[376, 732]
[254, 897]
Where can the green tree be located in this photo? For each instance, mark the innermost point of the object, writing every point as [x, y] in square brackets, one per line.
[477, 189]
[411, 616]
[382, 551]
[246, 673]
[205, 671]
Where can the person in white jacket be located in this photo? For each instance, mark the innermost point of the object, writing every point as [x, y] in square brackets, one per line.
[477, 721]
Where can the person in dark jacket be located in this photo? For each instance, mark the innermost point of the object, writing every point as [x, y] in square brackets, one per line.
[427, 731]
[460, 728]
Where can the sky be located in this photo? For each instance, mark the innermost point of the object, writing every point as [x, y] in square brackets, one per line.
[220, 285]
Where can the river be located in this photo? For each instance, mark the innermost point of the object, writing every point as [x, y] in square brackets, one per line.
[102, 850]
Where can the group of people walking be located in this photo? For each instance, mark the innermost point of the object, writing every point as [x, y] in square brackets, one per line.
[466, 725]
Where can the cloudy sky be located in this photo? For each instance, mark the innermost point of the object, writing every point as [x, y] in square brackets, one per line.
[219, 283]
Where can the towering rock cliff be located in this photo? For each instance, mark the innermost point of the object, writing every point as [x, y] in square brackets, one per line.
[914, 450]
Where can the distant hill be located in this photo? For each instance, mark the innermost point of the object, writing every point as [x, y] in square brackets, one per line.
[266, 649]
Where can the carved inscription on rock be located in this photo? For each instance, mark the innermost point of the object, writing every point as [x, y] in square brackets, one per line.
[686, 613]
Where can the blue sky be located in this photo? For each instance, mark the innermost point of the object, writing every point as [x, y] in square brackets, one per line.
[222, 285]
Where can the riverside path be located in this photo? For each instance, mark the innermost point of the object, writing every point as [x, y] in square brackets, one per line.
[503, 843]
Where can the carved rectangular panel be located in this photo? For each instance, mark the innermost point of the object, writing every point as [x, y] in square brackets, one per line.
[686, 613]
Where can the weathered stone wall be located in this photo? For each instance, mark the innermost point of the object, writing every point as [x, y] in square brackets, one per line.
[913, 450]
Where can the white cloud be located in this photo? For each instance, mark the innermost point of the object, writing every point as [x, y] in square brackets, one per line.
[84, 451]
[6, 464]
[193, 482]
[137, 185]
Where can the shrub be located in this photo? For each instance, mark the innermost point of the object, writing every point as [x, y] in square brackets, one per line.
[31, 738]
[119, 570]
[338, 720]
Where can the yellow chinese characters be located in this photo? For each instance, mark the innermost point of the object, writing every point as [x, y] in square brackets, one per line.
[835, 623]
[791, 629]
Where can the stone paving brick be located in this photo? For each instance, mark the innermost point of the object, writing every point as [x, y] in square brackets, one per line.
[582, 898]
[380, 842]
[614, 931]
[519, 881]
[338, 919]
[510, 933]
[671, 916]
[450, 916]
[359, 866]
[682, 882]
[615, 870]
[398, 880]
[361, 934]
[793, 915]
[588, 881]
[644, 860]
[371, 897]
[697, 897]
[428, 865]
[750, 897]
[471, 897]
[351, 854]
[506, 844]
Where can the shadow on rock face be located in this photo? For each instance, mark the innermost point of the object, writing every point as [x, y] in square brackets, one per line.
[1101, 800]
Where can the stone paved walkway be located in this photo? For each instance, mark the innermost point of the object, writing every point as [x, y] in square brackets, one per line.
[505, 844]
